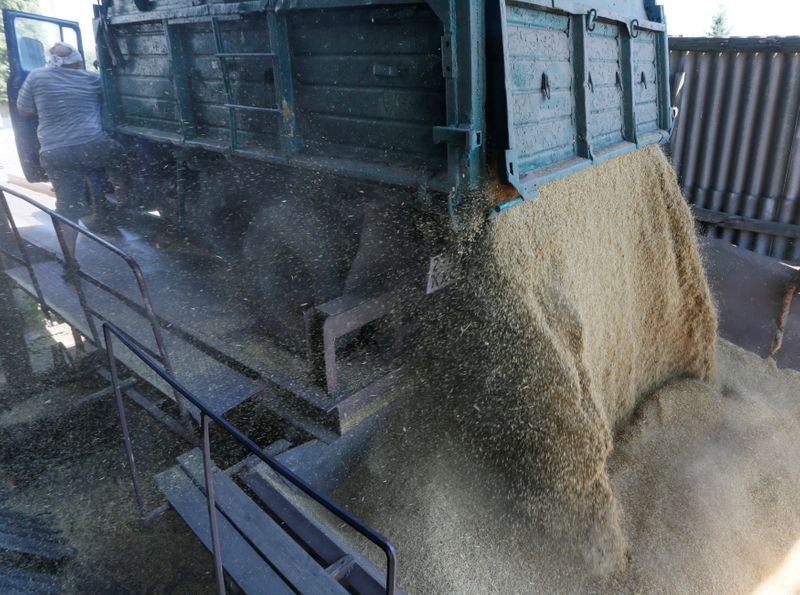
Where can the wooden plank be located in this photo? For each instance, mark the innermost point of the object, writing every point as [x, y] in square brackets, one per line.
[787, 230]
[290, 560]
[735, 44]
[244, 565]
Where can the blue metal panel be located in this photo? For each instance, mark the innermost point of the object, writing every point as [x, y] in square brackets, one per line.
[582, 84]
[645, 82]
[352, 90]
[357, 85]
[539, 87]
[606, 120]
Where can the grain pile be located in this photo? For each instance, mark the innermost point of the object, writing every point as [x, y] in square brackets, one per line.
[572, 307]
[706, 475]
[708, 478]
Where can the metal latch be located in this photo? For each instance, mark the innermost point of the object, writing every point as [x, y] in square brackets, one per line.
[545, 85]
[461, 136]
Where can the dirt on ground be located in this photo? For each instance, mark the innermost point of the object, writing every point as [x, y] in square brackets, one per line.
[63, 462]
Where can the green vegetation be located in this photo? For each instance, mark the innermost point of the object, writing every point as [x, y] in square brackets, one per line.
[719, 24]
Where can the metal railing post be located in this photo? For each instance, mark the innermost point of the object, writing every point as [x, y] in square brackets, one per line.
[212, 505]
[159, 337]
[123, 419]
[73, 267]
[132, 264]
[207, 415]
[23, 250]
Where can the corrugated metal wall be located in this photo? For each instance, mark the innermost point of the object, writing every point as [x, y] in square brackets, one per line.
[736, 141]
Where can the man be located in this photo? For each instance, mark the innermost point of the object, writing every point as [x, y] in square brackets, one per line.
[75, 150]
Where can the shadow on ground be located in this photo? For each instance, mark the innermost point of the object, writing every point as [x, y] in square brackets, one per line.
[65, 464]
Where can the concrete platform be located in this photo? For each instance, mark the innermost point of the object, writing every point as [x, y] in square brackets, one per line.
[213, 338]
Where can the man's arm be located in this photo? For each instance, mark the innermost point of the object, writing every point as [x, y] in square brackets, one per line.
[26, 106]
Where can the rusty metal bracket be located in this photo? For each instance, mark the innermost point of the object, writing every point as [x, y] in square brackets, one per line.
[332, 320]
[786, 306]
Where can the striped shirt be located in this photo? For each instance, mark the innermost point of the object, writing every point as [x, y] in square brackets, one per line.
[68, 103]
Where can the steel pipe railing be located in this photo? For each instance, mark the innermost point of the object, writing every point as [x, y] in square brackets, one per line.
[206, 415]
[72, 266]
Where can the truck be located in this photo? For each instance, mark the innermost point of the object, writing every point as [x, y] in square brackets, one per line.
[320, 155]
[301, 143]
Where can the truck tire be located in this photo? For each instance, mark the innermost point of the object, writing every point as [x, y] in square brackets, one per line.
[295, 256]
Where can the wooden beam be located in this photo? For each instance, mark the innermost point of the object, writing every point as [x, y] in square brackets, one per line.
[775, 228]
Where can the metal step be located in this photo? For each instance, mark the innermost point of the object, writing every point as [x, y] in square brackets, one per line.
[16, 580]
[330, 549]
[275, 548]
[28, 541]
[296, 566]
[241, 561]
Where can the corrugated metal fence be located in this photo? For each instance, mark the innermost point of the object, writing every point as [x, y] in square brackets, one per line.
[736, 141]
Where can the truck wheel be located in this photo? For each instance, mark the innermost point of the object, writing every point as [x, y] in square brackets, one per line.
[296, 256]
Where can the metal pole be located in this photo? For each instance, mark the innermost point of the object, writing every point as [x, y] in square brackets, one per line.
[212, 506]
[14, 358]
[25, 256]
[391, 572]
[181, 174]
[162, 349]
[73, 268]
[123, 419]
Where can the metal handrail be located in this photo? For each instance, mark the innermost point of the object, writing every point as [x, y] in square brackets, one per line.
[207, 414]
[72, 264]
